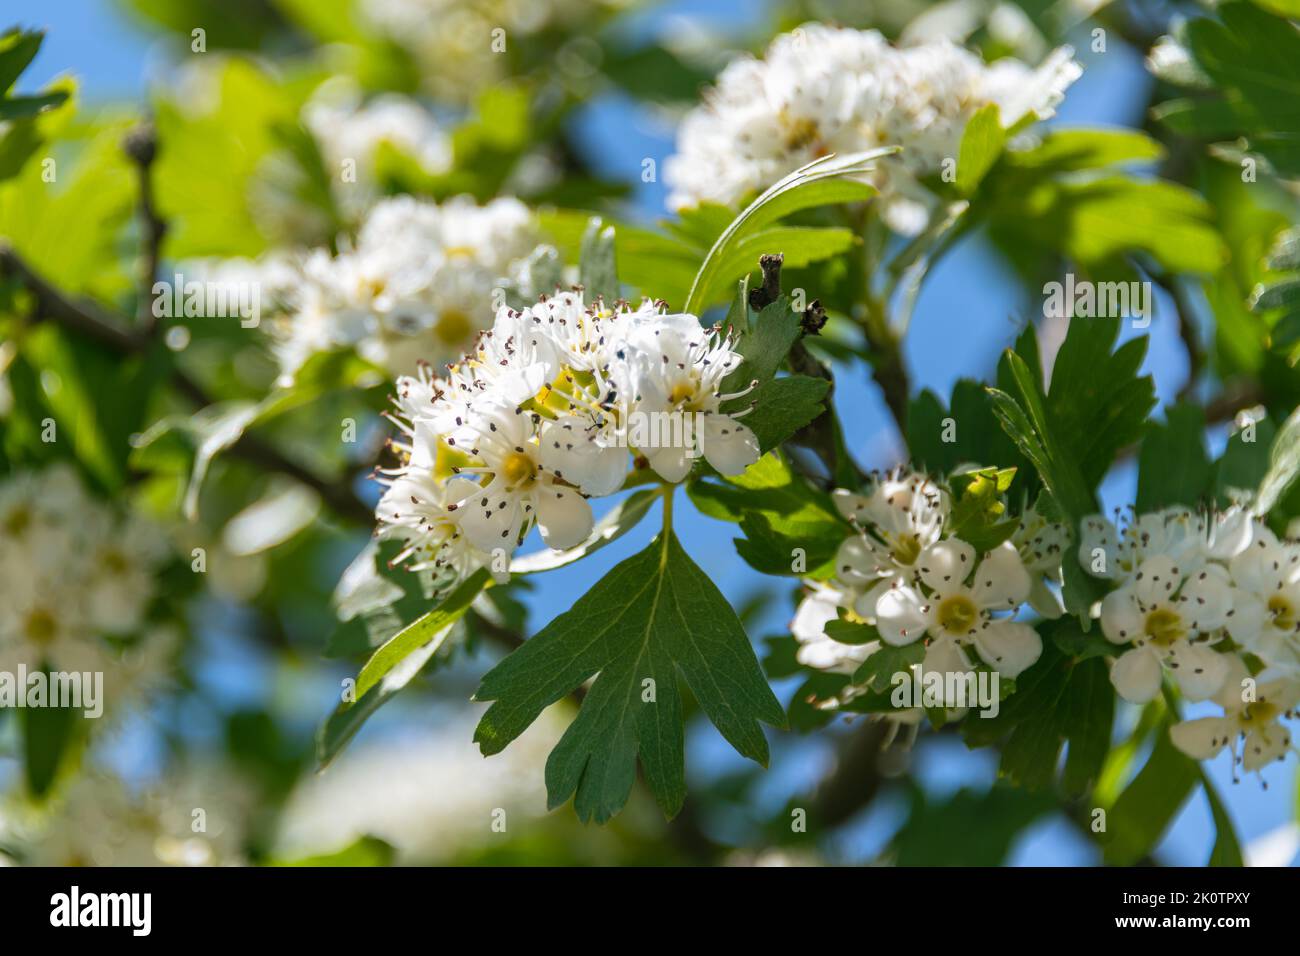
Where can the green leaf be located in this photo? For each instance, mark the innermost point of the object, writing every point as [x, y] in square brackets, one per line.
[1096, 405]
[785, 405]
[1284, 465]
[17, 49]
[653, 617]
[805, 552]
[878, 670]
[974, 429]
[1254, 58]
[1173, 467]
[764, 347]
[1071, 150]
[970, 828]
[981, 145]
[365, 851]
[1059, 700]
[597, 271]
[394, 665]
[1227, 848]
[1244, 463]
[800, 245]
[25, 107]
[1142, 813]
[804, 188]
[50, 743]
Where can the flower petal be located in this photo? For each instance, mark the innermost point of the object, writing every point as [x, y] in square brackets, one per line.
[899, 617]
[563, 516]
[1199, 671]
[1203, 738]
[944, 565]
[728, 445]
[1001, 580]
[1009, 647]
[1121, 618]
[1136, 675]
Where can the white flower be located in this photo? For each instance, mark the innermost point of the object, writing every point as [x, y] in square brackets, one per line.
[822, 89]
[1169, 613]
[1116, 554]
[1265, 616]
[1040, 544]
[505, 489]
[956, 600]
[819, 607]
[675, 369]
[1252, 711]
[416, 285]
[351, 131]
[899, 516]
[543, 412]
[454, 43]
[72, 573]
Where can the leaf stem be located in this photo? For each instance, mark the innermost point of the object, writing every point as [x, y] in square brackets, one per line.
[667, 492]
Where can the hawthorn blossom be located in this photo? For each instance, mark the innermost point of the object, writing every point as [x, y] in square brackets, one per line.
[1170, 614]
[1250, 727]
[542, 413]
[73, 573]
[1040, 544]
[962, 604]
[352, 135]
[823, 89]
[1265, 615]
[417, 284]
[901, 515]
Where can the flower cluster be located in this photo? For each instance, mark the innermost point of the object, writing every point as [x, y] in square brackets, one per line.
[822, 89]
[904, 572]
[417, 283]
[198, 814]
[459, 45]
[73, 575]
[1195, 592]
[352, 132]
[551, 407]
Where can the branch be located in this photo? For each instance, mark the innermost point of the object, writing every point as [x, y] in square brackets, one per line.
[82, 317]
[141, 145]
[89, 320]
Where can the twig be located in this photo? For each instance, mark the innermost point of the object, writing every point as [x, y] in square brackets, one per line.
[141, 145]
[89, 320]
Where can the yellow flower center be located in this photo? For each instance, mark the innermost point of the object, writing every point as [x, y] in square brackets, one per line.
[800, 133]
[682, 392]
[40, 626]
[453, 327]
[1164, 627]
[906, 548]
[17, 521]
[1283, 611]
[957, 614]
[1258, 715]
[518, 468]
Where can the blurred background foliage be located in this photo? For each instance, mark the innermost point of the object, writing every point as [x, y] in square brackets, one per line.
[575, 117]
